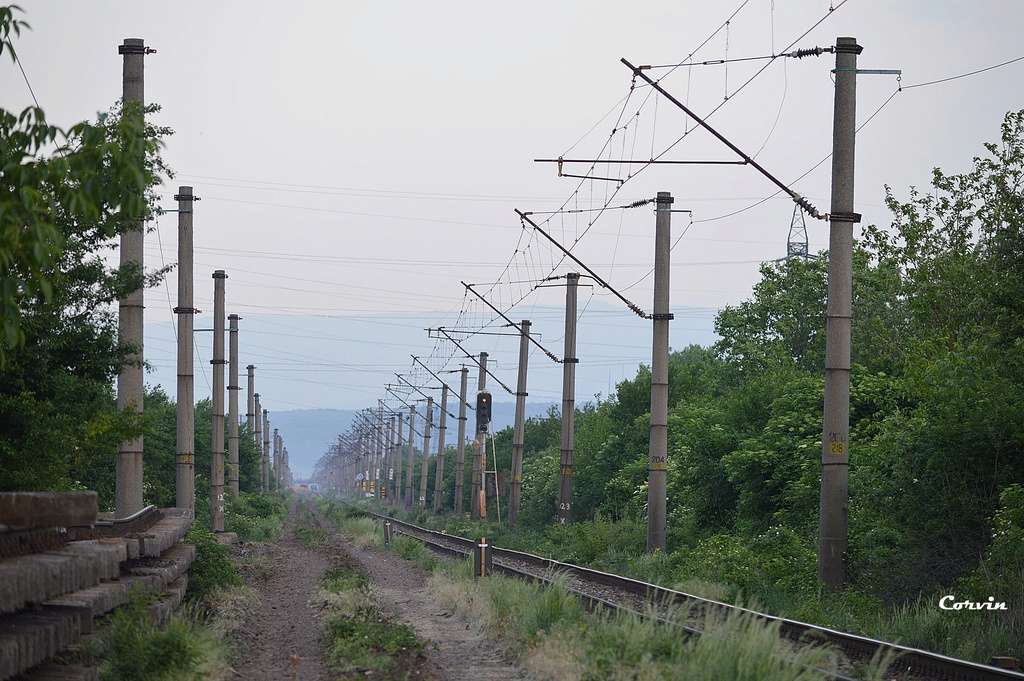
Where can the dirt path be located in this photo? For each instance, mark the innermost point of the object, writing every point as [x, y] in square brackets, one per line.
[454, 650]
[280, 640]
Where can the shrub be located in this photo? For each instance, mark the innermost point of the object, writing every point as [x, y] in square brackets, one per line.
[255, 517]
[132, 648]
[212, 568]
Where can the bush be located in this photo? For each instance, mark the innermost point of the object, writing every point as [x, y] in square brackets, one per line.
[255, 517]
[774, 561]
[132, 648]
[212, 568]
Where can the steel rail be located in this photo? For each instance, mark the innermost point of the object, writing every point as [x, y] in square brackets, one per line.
[914, 662]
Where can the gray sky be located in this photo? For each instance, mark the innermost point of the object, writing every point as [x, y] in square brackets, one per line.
[400, 136]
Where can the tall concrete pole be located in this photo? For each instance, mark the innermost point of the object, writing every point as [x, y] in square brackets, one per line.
[379, 463]
[519, 426]
[217, 435]
[425, 468]
[258, 434]
[442, 426]
[184, 460]
[390, 475]
[835, 440]
[410, 460]
[128, 488]
[266, 450]
[658, 447]
[250, 405]
[233, 389]
[460, 446]
[480, 441]
[277, 460]
[568, 444]
[399, 488]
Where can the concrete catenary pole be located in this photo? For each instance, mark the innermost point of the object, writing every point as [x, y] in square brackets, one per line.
[399, 488]
[250, 405]
[519, 426]
[233, 389]
[128, 487]
[266, 450]
[390, 476]
[442, 426]
[379, 467]
[184, 460]
[460, 446]
[658, 447]
[258, 434]
[410, 460]
[277, 460]
[425, 468]
[569, 360]
[217, 434]
[479, 442]
[835, 440]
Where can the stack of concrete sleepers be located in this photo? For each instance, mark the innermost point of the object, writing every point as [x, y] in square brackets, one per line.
[52, 589]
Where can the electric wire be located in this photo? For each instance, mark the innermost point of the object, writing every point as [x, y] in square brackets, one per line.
[964, 75]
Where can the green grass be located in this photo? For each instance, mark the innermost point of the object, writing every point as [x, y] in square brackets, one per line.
[358, 637]
[773, 573]
[311, 537]
[367, 641]
[410, 549]
[132, 648]
[256, 517]
[562, 641]
[339, 579]
[212, 568]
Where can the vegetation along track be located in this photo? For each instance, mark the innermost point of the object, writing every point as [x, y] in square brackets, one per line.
[602, 590]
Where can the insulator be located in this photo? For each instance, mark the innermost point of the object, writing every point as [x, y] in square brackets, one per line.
[809, 52]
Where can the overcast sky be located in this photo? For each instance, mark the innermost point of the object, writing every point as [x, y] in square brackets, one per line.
[356, 160]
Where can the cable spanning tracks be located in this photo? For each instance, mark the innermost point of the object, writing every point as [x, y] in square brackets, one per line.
[604, 591]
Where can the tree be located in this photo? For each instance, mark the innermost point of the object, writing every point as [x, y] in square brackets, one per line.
[65, 196]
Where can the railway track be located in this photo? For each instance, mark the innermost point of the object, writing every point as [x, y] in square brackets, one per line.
[605, 591]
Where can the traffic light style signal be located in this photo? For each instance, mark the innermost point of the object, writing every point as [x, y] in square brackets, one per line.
[483, 411]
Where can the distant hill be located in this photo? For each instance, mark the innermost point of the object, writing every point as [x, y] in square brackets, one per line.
[309, 432]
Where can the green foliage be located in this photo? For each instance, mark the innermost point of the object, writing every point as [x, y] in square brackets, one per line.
[410, 549]
[132, 648]
[311, 537]
[255, 517]
[367, 641]
[65, 197]
[212, 568]
[776, 560]
[563, 641]
[96, 183]
[337, 580]
[358, 636]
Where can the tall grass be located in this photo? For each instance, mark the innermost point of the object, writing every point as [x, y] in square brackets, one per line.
[730, 572]
[255, 517]
[132, 648]
[564, 642]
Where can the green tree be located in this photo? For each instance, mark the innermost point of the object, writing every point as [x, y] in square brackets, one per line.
[65, 196]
